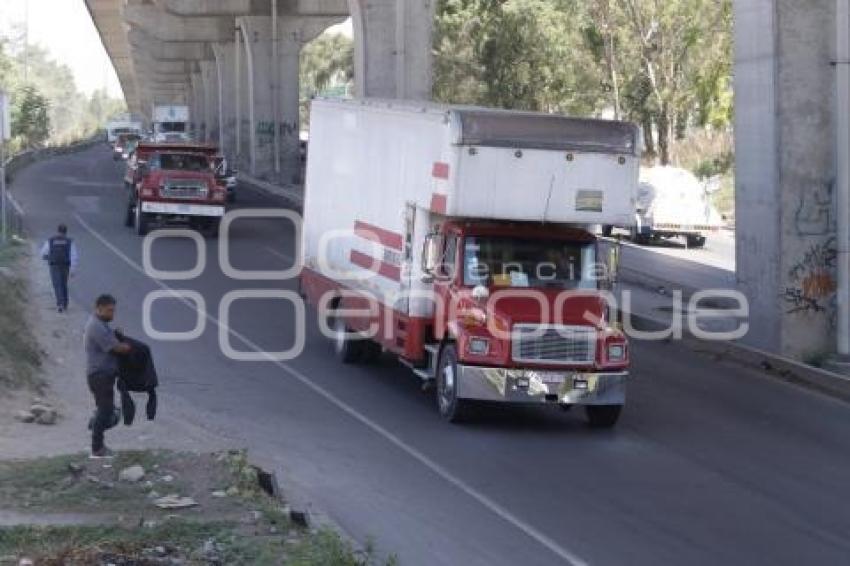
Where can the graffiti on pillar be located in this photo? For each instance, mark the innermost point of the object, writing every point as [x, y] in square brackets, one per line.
[812, 280]
[265, 131]
[288, 129]
[814, 215]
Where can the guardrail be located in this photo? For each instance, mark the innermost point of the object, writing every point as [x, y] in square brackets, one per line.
[14, 216]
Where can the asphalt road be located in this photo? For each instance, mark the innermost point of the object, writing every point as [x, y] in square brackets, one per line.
[711, 463]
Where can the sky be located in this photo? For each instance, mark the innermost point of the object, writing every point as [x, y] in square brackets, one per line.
[66, 30]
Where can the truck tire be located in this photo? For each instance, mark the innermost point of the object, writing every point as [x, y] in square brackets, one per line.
[213, 227]
[607, 230]
[695, 241]
[451, 408]
[603, 416]
[141, 220]
[348, 351]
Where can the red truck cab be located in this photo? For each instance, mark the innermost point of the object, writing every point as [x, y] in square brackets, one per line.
[526, 318]
[170, 183]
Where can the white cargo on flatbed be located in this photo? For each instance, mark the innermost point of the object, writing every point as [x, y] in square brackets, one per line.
[400, 167]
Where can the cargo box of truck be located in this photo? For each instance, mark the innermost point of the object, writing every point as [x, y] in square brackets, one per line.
[426, 214]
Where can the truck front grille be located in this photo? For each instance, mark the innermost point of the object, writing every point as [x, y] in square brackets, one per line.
[184, 190]
[554, 344]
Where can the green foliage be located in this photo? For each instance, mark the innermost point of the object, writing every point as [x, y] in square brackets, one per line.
[43, 88]
[327, 69]
[665, 65]
[30, 120]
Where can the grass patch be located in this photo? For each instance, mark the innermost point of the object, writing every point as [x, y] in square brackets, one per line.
[20, 358]
[194, 542]
[117, 522]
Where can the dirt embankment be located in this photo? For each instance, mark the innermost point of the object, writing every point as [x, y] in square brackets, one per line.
[175, 494]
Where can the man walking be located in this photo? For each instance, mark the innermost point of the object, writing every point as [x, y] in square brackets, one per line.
[102, 347]
[61, 254]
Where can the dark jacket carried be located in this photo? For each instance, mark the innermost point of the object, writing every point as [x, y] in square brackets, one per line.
[137, 374]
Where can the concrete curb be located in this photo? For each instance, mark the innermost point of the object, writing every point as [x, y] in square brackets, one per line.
[770, 365]
[291, 193]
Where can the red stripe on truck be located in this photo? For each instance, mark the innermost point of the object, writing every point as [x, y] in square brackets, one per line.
[438, 203]
[374, 233]
[440, 170]
[382, 268]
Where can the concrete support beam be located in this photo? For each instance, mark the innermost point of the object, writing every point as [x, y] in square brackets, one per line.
[197, 110]
[785, 160]
[272, 75]
[168, 27]
[166, 51]
[209, 77]
[225, 60]
[234, 8]
[393, 47]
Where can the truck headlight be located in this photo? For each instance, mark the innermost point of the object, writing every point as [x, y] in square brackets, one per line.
[479, 346]
[616, 352]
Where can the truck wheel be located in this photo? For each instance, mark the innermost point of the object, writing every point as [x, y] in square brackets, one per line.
[212, 228]
[451, 408]
[370, 352]
[141, 220]
[603, 416]
[607, 230]
[348, 351]
[696, 241]
[130, 216]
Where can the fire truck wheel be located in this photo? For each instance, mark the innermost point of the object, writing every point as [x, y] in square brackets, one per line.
[141, 220]
[130, 216]
[603, 416]
[347, 349]
[451, 408]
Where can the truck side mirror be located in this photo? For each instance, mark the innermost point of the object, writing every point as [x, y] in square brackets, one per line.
[432, 254]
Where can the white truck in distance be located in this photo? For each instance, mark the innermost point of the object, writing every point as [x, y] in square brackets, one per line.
[170, 123]
[458, 240]
[672, 202]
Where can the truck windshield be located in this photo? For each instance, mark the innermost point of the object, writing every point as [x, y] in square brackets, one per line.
[180, 162]
[517, 262]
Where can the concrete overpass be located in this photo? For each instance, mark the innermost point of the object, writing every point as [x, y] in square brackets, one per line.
[236, 63]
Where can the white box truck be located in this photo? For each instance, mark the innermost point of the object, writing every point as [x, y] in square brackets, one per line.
[458, 240]
[171, 123]
[672, 202]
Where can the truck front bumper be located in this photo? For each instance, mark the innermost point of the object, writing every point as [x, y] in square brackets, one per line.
[179, 209]
[541, 387]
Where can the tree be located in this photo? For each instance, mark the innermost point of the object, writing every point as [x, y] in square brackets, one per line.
[30, 120]
[673, 57]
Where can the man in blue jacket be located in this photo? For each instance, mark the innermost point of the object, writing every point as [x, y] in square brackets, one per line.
[60, 252]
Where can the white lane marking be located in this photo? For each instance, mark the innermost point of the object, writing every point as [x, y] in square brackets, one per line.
[281, 255]
[436, 468]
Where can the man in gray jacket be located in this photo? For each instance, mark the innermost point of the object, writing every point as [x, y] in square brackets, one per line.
[102, 347]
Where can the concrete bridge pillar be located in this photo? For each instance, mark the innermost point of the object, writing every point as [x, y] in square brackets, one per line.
[197, 109]
[392, 54]
[272, 76]
[225, 61]
[209, 75]
[785, 156]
